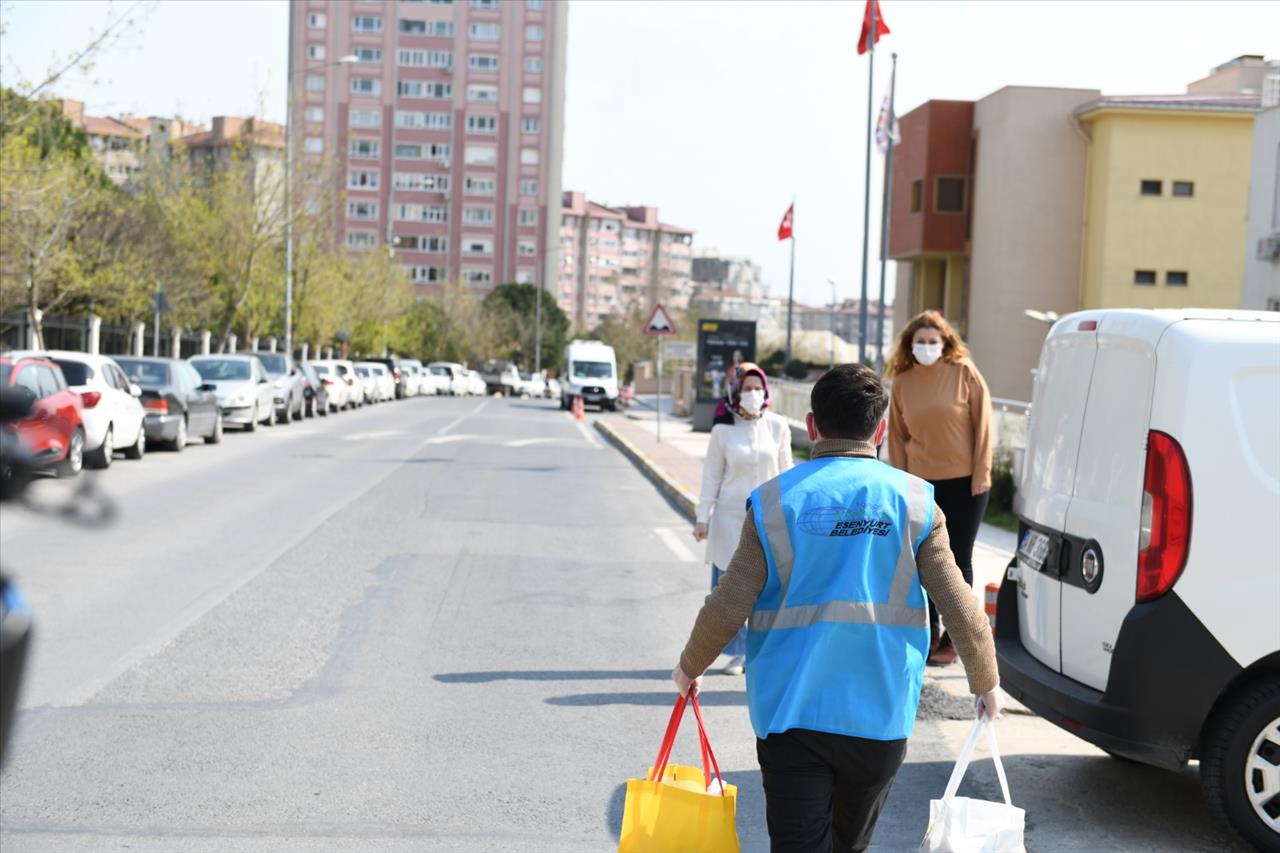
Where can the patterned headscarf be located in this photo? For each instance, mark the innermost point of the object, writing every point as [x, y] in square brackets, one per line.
[744, 370]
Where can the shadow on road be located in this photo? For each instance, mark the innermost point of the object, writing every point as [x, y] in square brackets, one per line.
[713, 699]
[558, 675]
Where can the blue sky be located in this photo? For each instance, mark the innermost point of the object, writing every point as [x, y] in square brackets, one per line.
[717, 112]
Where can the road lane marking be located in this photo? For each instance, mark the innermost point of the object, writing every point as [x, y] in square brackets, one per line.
[673, 541]
[365, 436]
[449, 439]
[448, 428]
[586, 433]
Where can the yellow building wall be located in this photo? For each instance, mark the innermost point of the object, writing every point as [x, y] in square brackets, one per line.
[1126, 231]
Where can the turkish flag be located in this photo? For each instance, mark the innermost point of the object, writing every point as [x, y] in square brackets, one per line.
[882, 29]
[784, 230]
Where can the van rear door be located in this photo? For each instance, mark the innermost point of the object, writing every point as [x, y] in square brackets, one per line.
[1048, 478]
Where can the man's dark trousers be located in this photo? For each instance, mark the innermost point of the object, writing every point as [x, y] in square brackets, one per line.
[824, 792]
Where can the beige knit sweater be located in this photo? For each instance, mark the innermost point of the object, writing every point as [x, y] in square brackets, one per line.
[730, 603]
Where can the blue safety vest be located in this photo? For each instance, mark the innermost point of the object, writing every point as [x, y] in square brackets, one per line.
[838, 637]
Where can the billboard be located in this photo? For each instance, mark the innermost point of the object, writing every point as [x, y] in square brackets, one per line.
[721, 345]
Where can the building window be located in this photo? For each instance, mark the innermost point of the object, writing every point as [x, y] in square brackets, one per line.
[526, 249]
[420, 182]
[438, 151]
[362, 210]
[528, 216]
[314, 145]
[314, 114]
[1151, 188]
[315, 51]
[917, 193]
[1144, 276]
[366, 118]
[476, 246]
[317, 20]
[425, 89]
[366, 86]
[524, 276]
[368, 55]
[366, 24]
[361, 241]
[529, 156]
[315, 83]
[533, 32]
[1273, 303]
[530, 125]
[482, 94]
[477, 215]
[535, 5]
[362, 179]
[413, 28]
[1185, 189]
[421, 213]
[425, 58]
[1176, 278]
[532, 95]
[533, 64]
[418, 243]
[425, 274]
[415, 120]
[477, 278]
[482, 124]
[482, 62]
[485, 32]
[364, 149]
[440, 29]
[484, 185]
[485, 4]
[528, 186]
[950, 198]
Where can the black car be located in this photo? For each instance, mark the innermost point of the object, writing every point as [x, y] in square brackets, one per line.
[397, 375]
[177, 402]
[315, 393]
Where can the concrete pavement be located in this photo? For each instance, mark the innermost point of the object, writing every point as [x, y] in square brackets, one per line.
[438, 624]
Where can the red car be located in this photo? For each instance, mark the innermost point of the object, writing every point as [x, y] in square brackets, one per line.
[54, 431]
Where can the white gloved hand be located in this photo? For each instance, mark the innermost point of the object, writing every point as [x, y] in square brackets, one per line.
[684, 682]
[989, 704]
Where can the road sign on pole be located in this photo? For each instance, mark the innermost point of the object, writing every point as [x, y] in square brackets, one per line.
[659, 322]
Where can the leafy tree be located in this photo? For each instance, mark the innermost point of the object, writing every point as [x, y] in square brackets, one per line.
[511, 310]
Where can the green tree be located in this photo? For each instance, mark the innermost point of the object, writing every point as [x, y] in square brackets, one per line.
[511, 311]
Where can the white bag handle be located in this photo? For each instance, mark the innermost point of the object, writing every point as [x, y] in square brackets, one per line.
[966, 753]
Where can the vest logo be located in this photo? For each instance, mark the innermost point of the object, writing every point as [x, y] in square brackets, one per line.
[856, 520]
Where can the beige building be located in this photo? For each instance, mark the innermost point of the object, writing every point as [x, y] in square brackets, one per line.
[122, 145]
[1262, 245]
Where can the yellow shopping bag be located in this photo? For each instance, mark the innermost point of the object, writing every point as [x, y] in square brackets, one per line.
[678, 809]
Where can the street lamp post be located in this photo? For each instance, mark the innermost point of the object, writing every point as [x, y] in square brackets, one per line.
[832, 324]
[288, 181]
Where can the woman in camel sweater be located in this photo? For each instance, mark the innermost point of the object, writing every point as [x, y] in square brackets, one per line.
[940, 430]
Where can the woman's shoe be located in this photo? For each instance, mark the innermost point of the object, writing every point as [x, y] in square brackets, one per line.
[944, 656]
[735, 666]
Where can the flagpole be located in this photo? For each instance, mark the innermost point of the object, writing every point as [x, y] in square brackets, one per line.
[866, 201]
[791, 286]
[886, 214]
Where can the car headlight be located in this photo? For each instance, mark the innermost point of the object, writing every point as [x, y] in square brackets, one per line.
[279, 383]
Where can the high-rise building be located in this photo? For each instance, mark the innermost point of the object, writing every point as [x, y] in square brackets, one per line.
[445, 131]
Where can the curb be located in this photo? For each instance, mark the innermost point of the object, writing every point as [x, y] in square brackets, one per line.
[684, 502]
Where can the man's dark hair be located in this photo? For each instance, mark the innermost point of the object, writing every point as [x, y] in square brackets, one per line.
[848, 402]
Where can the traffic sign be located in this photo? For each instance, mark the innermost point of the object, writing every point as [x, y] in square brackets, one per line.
[659, 323]
[682, 351]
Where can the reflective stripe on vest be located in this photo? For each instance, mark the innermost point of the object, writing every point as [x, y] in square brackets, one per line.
[895, 612]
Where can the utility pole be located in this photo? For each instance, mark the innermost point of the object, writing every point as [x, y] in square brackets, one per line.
[866, 202]
[886, 214]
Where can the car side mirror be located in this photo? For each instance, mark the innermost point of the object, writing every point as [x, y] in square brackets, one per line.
[262, 381]
[135, 389]
[208, 386]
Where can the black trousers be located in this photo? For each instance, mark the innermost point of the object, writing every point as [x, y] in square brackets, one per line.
[824, 792]
[964, 514]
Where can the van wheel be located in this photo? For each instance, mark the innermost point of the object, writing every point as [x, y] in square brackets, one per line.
[1240, 766]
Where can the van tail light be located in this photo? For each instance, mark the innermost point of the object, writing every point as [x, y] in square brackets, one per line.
[156, 406]
[395, 374]
[1165, 537]
[90, 398]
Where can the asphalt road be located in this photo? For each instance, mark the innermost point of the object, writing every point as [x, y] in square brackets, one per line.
[434, 625]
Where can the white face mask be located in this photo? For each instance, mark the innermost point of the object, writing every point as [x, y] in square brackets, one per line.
[752, 401]
[926, 354]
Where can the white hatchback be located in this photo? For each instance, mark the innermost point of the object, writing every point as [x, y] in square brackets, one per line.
[1142, 611]
[113, 415]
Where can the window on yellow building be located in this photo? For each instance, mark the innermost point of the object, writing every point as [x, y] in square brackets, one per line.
[1176, 278]
[1152, 188]
[1144, 276]
[917, 194]
[1186, 189]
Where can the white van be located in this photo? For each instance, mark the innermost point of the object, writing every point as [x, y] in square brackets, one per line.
[590, 372]
[1142, 611]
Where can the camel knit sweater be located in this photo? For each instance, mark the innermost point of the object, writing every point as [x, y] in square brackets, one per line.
[730, 603]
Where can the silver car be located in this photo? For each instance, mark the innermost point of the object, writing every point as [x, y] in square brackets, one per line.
[286, 383]
[244, 390]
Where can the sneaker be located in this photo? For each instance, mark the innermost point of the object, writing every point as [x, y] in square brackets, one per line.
[944, 656]
[735, 666]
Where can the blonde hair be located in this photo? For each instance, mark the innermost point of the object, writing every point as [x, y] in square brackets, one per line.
[953, 349]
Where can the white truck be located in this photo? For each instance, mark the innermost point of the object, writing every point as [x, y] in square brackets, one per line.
[1142, 610]
[590, 372]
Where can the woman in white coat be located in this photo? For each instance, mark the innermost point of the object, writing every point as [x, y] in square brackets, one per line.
[749, 446]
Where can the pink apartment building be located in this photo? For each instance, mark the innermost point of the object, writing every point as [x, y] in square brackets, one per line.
[615, 258]
[446, 134]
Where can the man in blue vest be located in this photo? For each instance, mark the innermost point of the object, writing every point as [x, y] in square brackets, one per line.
[837, 562]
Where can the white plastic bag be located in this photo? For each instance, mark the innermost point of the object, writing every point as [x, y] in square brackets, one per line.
[964, 825]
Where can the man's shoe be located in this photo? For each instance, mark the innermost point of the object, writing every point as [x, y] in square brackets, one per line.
[944, 656]
[735, 666]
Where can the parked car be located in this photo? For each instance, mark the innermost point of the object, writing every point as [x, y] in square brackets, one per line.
[314, 392]
[412, 370]
[111, 410]
[476, 386]
[286, 383]
[244, 391]
[369, 382]
[177, 401]
[346, 390]
[54, 430]
[1128, 618]
[451, 375]
[384, 386]
[533, 384]
[394, 373]
[501, 377]
[554, 390]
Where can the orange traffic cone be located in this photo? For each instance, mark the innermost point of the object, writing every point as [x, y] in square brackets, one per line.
[579, 409]
[989, 604]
